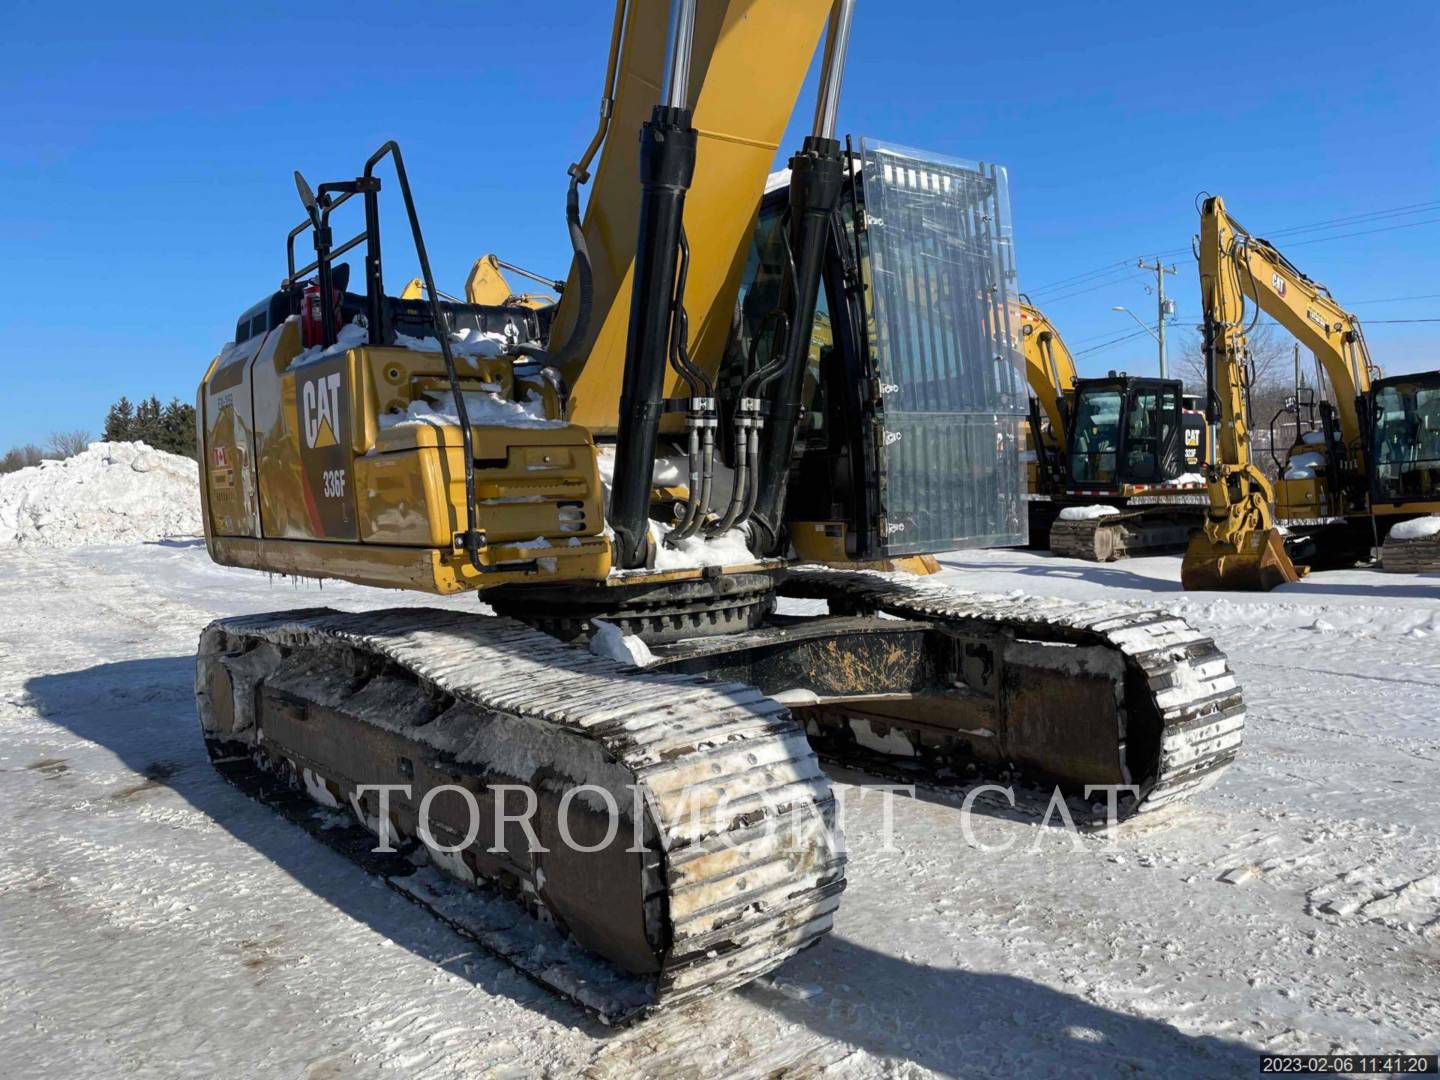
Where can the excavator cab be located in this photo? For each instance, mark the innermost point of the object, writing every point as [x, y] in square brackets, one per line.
[1126, 431]
[1130, 440]
[1405, 439]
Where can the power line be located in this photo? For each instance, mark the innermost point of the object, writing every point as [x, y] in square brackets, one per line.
[1075, 279]
[1374, 215]
[1365, 232]
[1093, 337]
[1114, 341]
[1114, 273]
[1395, 211]
[1373, 322]
[1089, 289]
[1396, 299]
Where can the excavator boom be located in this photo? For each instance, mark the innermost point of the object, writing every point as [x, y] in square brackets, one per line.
[1239, 547]
[1343, 473]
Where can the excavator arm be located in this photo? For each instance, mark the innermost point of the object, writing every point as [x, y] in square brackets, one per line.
[1049, 367]
[1050, 372]
[1239, 547]
[1310, 314]
[1335, 475]
[1302, 306]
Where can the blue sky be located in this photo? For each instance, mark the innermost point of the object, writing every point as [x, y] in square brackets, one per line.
[146, 151]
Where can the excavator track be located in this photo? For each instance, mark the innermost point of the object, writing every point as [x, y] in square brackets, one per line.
[1419, 555]
[1125, 535]
[726, 861]
[1179, 716]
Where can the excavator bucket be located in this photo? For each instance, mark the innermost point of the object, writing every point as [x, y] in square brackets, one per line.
[1257, 564]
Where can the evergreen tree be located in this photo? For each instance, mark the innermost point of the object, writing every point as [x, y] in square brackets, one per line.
[147, 428]
[165, 427]
[177, 425]
[120, 421]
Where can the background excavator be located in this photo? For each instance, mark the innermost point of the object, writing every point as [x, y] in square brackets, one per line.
[1371, 461]
[1129, 444]
[738, 398]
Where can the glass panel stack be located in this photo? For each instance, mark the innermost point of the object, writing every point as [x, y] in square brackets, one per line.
[947, 351]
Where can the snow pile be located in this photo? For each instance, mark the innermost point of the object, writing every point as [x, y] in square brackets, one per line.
[466, 342]
[547, 563]
[1304, 466]
[727, 550]
[350, 337]
[1416, 529]
[670, 470]
[614, 644]
[1086, 513]
[482, 407]
[120, 492]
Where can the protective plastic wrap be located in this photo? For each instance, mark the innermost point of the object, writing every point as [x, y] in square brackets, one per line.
[942, 277]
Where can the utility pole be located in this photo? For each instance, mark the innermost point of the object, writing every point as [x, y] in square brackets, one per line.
[1163, 307]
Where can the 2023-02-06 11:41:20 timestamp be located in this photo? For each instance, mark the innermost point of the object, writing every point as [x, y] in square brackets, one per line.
[1340, 1064]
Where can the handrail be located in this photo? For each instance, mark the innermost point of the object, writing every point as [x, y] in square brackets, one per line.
[290, 243]
[349, 245]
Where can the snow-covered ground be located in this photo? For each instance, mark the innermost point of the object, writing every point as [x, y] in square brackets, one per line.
[158, 923]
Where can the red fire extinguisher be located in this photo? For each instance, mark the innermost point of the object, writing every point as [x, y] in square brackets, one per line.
[312, 315]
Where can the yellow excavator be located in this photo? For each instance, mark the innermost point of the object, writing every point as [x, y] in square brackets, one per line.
[1115, 458]
[739, 400]
[1371, 461]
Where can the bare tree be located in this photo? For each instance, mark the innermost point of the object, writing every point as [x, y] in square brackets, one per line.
[66, 444]
[21, 457]
[1272, 386]
[1270, 348]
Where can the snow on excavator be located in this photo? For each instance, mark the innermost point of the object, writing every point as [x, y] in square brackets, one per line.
[737, 399]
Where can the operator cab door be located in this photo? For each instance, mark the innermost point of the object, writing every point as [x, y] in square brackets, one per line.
[1405, 439]
[1095, 431]
[1154, 448]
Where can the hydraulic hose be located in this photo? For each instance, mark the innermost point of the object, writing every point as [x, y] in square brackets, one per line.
[700, 458]
[570, 351]
[579, 174]
[747, 421]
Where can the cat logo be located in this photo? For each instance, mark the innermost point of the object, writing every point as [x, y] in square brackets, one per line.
[320, 410]
[1278, 284]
